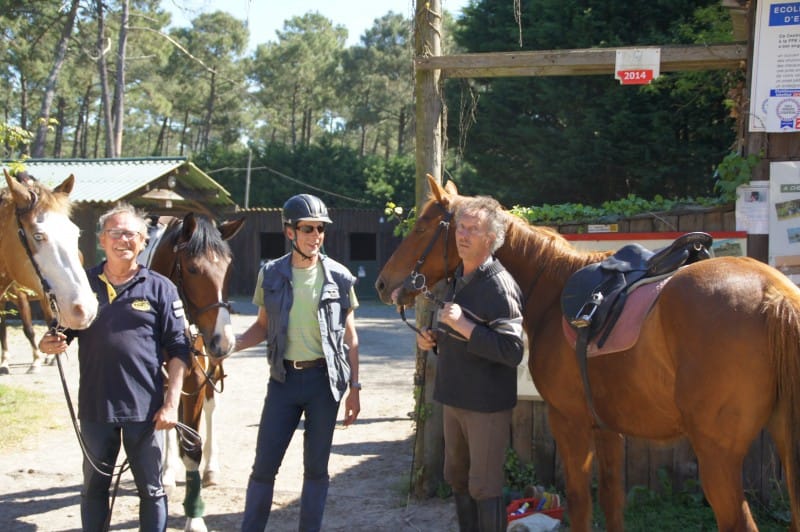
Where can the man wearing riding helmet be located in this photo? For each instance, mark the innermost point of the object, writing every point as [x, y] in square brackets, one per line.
[306, 309]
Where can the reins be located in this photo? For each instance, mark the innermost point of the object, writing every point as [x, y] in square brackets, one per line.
[105, 469]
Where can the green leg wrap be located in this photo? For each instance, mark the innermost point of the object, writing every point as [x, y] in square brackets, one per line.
[193, 505]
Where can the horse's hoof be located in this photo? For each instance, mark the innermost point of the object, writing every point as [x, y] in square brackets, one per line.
[50, 360]
[4, 370]
[195, 524]
[34, 368]
[209, 479]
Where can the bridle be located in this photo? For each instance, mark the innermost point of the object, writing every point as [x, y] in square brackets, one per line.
[176, 275]
[46, 288]
[416, 281]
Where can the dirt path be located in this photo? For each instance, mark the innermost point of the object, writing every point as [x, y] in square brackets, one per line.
[40, 482]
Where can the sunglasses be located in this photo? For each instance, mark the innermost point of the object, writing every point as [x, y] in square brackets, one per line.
[116, 234]
[308, 229]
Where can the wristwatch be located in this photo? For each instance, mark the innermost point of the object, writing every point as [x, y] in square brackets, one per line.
[356, 385]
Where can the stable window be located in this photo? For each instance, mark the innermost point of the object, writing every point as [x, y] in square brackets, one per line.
[273, 245]
[363, 246]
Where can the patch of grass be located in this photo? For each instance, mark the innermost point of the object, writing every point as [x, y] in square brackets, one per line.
[22, 414]
[678, 511]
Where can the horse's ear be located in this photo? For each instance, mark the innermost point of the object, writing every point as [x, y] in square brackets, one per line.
[22, 196]
[189, 225]
[66, 186]
[436, 189]
[229, 229]
[450, 187]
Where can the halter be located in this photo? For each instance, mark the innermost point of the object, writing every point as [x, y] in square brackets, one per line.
[416, 281]
[176, 276]
[46, 288]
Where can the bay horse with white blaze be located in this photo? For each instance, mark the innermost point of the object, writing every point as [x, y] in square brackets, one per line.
[39, 250]
[194, 253]
[717, 360]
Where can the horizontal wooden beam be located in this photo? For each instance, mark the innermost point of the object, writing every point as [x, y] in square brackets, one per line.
[580, 62]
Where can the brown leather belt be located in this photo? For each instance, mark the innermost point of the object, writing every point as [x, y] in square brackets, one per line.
[305, 364]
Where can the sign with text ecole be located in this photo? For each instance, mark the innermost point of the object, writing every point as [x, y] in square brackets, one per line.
[775, 86]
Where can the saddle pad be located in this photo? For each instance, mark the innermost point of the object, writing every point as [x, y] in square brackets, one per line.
[626, 331]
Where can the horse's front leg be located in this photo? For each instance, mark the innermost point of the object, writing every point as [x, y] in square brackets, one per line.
[24, 306]
[210, 447]
[610, 447]
[574, 444]
[192, 454]
[172, 458]
[4, 358]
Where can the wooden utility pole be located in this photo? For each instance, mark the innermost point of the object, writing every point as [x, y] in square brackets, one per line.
[429, 442]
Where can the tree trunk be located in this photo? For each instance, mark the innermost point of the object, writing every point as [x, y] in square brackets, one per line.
[401, 131]
[118, 109]
[37, 150]
[209, 112]
[183, 132]
[59, 140]
[429, 450]
[159, 149]
[107, 117]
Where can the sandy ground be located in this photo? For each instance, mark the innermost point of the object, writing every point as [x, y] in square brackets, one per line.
[369, 467]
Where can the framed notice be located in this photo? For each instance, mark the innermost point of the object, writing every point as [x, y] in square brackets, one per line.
[784, 218]
[775, 86]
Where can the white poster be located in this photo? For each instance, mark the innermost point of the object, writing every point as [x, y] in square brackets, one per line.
[775, 86]
[752, 213]
[784, 218]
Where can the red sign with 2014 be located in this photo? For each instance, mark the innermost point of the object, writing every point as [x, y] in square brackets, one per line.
[635, 77]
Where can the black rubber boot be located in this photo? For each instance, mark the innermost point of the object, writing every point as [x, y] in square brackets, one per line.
[467, 512]
[492, 515]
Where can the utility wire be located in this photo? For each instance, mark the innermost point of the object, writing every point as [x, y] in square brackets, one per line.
[292, 179]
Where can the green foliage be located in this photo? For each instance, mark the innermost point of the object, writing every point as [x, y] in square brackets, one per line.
[394, 213]
[669, 510]
[587, 139]
[734, 170]
[610, 211]
[518, 474]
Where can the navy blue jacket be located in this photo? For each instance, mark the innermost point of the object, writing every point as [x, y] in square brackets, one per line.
[122, 352]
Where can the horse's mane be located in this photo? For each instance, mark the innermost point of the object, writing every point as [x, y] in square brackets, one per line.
[546, 247]
[46, 199]
[205, 240]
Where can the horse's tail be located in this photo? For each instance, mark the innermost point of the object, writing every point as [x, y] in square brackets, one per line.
[783, 319]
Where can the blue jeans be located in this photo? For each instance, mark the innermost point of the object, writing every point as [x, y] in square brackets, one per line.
[306, 391]
[143, 447]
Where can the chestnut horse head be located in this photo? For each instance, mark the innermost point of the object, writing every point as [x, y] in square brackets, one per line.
[194, 253]
[427, 255]
[39, 250]
[717, 361]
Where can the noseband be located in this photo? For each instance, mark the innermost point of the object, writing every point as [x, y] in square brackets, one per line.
[416, 281]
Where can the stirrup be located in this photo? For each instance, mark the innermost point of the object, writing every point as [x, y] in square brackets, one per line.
[586, 313]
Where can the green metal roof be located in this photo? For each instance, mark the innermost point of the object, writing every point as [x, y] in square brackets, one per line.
[111, 180]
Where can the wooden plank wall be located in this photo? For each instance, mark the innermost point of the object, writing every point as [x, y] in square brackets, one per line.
[533, 441]
[246, 245]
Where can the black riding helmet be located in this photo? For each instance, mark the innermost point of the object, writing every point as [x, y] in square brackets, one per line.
[304, 207]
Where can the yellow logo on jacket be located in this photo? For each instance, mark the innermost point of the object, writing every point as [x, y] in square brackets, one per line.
[141, 304]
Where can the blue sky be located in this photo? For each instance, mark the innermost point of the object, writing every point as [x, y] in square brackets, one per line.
[266, 16]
